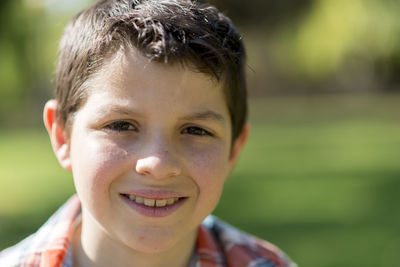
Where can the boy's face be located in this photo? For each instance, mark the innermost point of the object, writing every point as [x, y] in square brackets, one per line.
[151, 133]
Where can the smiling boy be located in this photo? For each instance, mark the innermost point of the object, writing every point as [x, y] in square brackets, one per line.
[150, 117]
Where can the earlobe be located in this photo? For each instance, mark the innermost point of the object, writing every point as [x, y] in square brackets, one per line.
[58, 137]
[238, 145]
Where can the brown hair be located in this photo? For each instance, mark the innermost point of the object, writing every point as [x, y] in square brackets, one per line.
[166, 31]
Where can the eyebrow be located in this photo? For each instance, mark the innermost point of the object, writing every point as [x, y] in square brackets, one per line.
[202, 115]
[118, 109]
[205, 115]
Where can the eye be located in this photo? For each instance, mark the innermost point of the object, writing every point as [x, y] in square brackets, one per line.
[193, 130]
[121, 126]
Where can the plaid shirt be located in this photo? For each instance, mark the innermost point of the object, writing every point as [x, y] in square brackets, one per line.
[218, 245]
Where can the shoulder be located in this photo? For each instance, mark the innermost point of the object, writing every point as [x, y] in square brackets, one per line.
[49, 244]
[242, 249]
[13, 256]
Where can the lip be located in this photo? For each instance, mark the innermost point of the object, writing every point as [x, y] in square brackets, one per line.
[154, 212]
[154, 194]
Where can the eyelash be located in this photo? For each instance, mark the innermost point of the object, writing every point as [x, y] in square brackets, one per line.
[197, 131]
[121, 126]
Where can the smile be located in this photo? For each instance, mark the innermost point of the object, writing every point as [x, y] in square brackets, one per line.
[152, 202]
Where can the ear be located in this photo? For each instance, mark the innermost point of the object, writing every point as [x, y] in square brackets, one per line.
[58, 137]
[238, 145]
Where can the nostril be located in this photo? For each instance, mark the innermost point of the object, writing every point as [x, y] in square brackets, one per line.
[158, 167]
[143, 173]
[147, 165]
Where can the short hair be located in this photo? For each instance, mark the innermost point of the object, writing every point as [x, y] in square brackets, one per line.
[165, 31]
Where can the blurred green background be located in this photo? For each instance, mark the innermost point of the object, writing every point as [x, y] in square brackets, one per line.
[320, 174]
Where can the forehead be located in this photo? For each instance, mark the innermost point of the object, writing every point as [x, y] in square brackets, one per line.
[127, 77]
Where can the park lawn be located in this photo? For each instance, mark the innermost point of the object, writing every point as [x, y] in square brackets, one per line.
[319, 178]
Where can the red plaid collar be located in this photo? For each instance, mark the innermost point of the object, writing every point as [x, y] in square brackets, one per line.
[218, 245]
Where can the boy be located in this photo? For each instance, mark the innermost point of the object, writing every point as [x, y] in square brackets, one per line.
[150, 117]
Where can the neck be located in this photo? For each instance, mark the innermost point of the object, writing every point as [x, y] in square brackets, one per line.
[93, 250]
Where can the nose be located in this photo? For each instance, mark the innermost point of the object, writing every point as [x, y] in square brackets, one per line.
[158, 165]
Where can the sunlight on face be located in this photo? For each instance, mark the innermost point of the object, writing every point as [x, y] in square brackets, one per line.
[150, 134]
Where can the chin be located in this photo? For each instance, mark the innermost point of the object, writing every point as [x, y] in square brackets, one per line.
[151, 243]
[152, 246]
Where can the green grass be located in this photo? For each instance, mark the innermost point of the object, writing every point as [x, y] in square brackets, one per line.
[320, 178]
[32, 184]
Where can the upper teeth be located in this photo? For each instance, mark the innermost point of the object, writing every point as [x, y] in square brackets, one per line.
[153, 202]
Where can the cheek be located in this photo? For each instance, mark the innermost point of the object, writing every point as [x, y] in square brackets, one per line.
[96, 164]
[209, 171]
[209, 168]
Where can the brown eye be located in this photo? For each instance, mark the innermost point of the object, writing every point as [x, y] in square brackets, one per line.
[121, 126]
[193, 130]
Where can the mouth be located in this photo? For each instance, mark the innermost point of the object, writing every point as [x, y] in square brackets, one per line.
[153, 203]
[157, 206]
